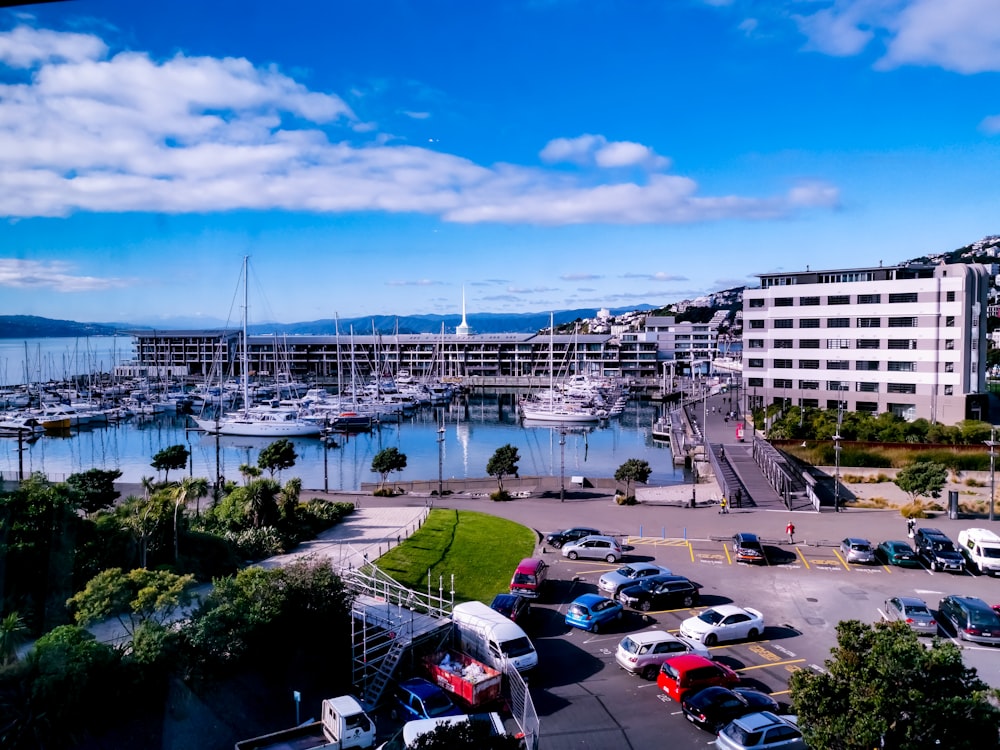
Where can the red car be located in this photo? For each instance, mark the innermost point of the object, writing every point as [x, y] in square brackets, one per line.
[686, 673]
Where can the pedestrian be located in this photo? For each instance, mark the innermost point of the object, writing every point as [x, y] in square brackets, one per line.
[910, 524]
[722, 452]
[738, 497]
[723, 506]
[790, 530]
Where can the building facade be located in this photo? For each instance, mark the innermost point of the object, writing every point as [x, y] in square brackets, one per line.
[907, 339]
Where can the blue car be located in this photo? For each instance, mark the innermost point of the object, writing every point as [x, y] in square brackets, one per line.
[417, 698]
[592, 612]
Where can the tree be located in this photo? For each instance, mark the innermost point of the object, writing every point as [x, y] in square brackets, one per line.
[633, 470]
[133, 598]
[503, 462]
[288, 498]
[261, 502]
[96, 487]
[13, 635]
[472, 734]
[388, 460]
[278, 456]
[142, 518]
[173, 457]
[883, 688]
[922, 479]
[248, 472]
[190, 487]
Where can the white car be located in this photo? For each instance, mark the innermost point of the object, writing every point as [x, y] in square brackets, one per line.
[726, 622]
[594, 548]
[627, 575]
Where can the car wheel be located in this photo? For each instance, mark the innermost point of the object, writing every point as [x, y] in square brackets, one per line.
[646, 605]
[610, 558]
[649, 673]
[596, 628]
[711, 639]
[752, 635]
[934, 566]
[571, 555]
[688, 600]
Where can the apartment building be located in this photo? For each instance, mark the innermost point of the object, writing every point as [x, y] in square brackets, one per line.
[908, 339]
[685, 346]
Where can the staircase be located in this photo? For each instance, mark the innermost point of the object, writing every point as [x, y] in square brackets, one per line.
[376, 686]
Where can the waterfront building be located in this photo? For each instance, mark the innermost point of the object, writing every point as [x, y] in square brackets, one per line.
[685, 346]
[907, 339]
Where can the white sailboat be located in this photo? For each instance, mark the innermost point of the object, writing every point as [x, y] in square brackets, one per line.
[256, 421]
[552, 406]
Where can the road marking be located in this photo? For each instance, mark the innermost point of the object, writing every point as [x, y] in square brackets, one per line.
[783, 650]
[803, 557]
[841, 559]
[764, 653]
[728, 558]
[691, 551]
[775, 664]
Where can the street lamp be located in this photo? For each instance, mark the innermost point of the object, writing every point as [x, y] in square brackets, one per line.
[836, 457]
[562, 465]
[993, 444]
[440, 442]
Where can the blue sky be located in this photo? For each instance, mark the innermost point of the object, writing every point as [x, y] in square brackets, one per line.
[378, 156]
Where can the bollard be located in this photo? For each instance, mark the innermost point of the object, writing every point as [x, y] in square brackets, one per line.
[685, 533]
[663, 532]
[640, 531]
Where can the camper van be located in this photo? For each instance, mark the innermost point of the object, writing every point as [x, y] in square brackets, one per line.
[486, 635]
[981, 548]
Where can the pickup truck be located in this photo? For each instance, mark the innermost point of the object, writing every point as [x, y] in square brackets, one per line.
[344, 725]
[461, 675]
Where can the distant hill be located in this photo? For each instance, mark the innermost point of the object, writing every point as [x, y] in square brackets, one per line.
[33, 327]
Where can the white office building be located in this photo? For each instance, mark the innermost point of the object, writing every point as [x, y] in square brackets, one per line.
[907, 339]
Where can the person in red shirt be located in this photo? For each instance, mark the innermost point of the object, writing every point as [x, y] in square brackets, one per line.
[790, 530]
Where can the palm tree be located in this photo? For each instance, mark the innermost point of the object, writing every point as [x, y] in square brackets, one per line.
[13, 634]
[148, 485]
[261, 505]
[138, 517]
[249, 471]
[189, 487]
[289, 496]
[198, 487]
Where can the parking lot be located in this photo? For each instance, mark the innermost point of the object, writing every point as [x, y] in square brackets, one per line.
[585, 700]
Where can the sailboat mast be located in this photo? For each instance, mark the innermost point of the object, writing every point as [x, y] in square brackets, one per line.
[246, 353]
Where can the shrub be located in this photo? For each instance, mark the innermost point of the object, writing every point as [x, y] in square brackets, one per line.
[973, 482]
[256, 544]
[913, 510]
[623, 500]
[500, 496]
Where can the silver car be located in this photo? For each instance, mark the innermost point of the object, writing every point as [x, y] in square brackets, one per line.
[594, 548]
[761, 731]
[628, 575]
[913, 611]
[857, 550]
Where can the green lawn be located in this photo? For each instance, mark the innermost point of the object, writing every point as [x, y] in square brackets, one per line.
[480, 550]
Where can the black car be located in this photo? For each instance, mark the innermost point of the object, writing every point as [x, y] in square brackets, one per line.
[937, 551]
[972, 618]
[558, 538]
[660, 592]
[517, 608]
[714, 707]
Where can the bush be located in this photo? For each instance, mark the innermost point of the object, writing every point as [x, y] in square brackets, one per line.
[256, 544]
[500, 496]
[623, 500]
[913, 510]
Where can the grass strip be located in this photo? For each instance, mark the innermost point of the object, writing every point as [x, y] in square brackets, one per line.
[479, 549]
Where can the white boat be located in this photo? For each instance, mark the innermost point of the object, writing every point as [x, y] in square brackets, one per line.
[20, 424]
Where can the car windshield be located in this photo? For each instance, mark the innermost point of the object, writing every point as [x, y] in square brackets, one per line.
[579, 610]
[436, 704]
[982, 618]
[629, 645]
[524, 578]
[741, 736]
[860, 547]
[943, 547]
[602, 605]
[516, 647]
[710, 616]
[626, 570]
[916, 609]
[993, 552]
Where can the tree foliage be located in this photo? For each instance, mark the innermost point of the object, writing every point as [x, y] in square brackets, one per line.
[171, 457]
[633, 470]
[277, 456]
[922, 479]
[473, 735]
[883, 688]
[96, 488]
[502, 463]
[133, 598]
[388, 460]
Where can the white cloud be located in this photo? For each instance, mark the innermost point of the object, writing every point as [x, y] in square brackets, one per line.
[580, 277]
[417, 282]
[94, 132]
[957, 35]
[990, 125]
[53, 276]
[658, 276]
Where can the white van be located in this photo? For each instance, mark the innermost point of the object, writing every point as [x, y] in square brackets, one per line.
[413, 730]
[981, 548]
[486, 635]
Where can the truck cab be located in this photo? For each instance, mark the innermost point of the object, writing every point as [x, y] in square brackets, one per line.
[981, 548]
[344, 725]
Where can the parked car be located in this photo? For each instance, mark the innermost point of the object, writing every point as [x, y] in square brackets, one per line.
[643, 653]
[558, 538]
[857, 550]
[914, 612]
[747, 548]
[594, 548]
[418, 698]
[612, 583]
[593, 612]
[530, 578]
[514, 606]
[659, 592]
[937, 551]
[714, 707]
[761, 731]
[981, 548]
[688, 673]
[726, 622]
[895, 552]
[972, 618]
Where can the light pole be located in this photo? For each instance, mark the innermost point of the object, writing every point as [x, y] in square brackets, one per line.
[440, 442]
[992, 443]
[562, 466]
[836, 459]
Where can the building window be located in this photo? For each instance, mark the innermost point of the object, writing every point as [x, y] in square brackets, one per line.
[902, 322]
[869, 344]
[784, 344]
[783, 364]
[902, 297]
[838, 364]
[868, 407]
[782, 383]
[902, 366]
[809, 364]
[756, 362]
[832, 403]
[755, 382]
[868, 365]
[809, 323]
[783, 323]
[949, 297]
[838, 344]
[869, 299]
[757, 302]
[838, 323]
[868, 387]
[809, 385]
[809, 403]
[869, 322]
[836, 385]
[808, 301]
[783, 301]
[949, 344]
[756, 324]
[838, 299]
[949, 321]
[949, 390]
[808, 343]
[902, 344]
[906, 411]
[901, 388]
[755, 344]
[949, 367]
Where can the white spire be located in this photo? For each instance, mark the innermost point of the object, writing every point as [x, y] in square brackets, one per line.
[463, 327]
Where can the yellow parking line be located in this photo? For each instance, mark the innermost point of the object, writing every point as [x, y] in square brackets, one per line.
[802, 557]
[728, 558]
[771, 664]
[691, 551]
[842, 560]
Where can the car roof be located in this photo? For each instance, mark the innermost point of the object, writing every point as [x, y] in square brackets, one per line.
[689, 661]
[896, 543]
[602, 537]
[589, 600]
[420, 687]
[745, 536]
[911, 601]
[759, 720]
[972, 601]
[857, 540]
[651, 636]
[643, 566]
[505, 598]
[729, 609]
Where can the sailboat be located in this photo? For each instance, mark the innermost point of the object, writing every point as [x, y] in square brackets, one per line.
[553, 406]
[256, 421]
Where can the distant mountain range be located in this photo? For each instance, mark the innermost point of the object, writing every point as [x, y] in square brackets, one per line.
[30, 326]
